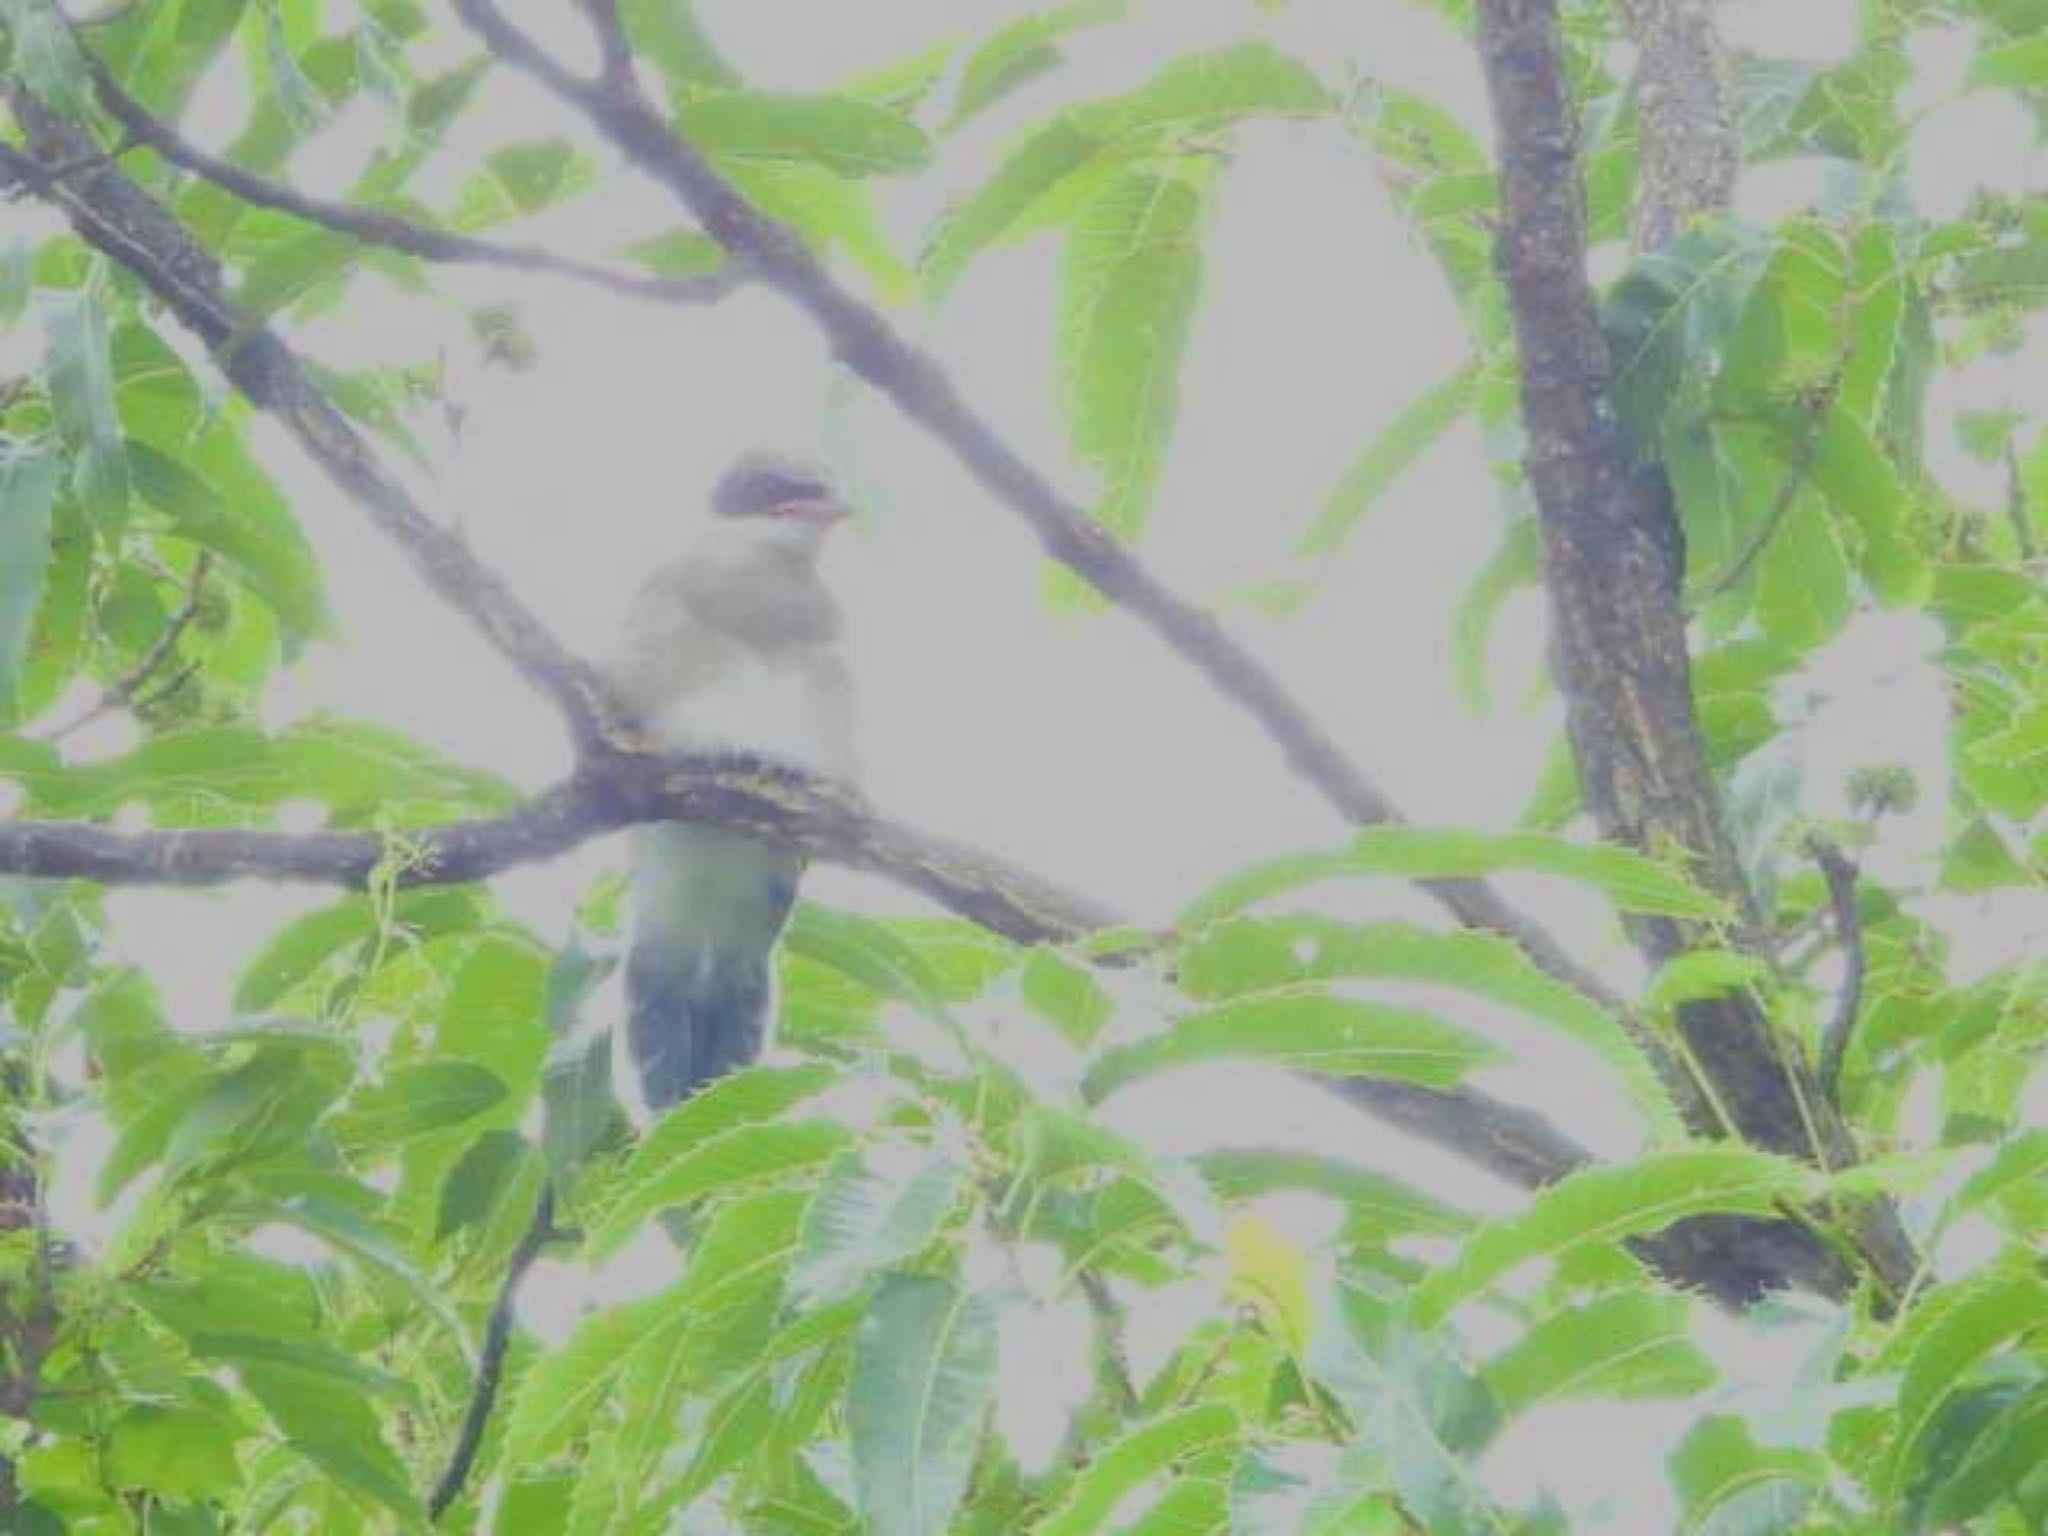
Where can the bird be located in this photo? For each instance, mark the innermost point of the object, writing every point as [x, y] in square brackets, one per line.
[732, 650]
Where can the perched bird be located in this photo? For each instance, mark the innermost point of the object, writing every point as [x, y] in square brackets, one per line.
[733, 649]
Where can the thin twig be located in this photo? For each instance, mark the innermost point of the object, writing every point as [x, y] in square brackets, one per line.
[1840, 872]
[377, 226]
[615, 49]
[490, 1366]
[124, 689]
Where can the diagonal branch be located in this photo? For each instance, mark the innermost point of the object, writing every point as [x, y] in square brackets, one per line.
[118, 218]
[380, 227]
[866, 342]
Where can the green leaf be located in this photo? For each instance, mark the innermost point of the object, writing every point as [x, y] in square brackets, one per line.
[1240, 956]
[1669, 320]
[248, 524]
[1631, 1345]
[2011, 66]
[478, 1182]
[877, 955]
[1376, 1204]
[47, 57]
[561, 1392]
[1388, 456]
[28, 489]
[669, 33]
[1056, 155]
[522, 179]
[1865, 488]
[80, 370]
[1417, 1412]
[1802, 577]
[1022, 51]
[420, 1100]
[1606, 1204]
[1789, 341]
[1207, 90]
[924, 1373]
[1132, 269]
[1127, 1478]
[1517, 564]
[1066, 993]
[726, 1133]
[174, 1452]
[1307, 1031]
[1731, 1486]
[841, 134]
[1943, 1360]
[332, 1426]
[868, 1216]
[1632, 881]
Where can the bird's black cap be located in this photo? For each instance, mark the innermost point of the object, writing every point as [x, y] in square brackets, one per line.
[766, 484]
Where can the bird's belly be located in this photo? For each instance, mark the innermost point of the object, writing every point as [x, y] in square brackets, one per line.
[776, 713]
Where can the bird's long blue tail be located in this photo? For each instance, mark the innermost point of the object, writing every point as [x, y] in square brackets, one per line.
[708, 908]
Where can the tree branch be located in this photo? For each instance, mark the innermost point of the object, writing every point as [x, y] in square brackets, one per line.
[1685, 111]
[1614, 565]
[379, 227]
[490, 1365]
[1840, 872]
[114, 215]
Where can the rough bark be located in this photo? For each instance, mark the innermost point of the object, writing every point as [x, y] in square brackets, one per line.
[1613, 563]
[1688, 147]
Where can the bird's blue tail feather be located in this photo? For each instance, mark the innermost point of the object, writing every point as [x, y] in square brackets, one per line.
[694, 1013]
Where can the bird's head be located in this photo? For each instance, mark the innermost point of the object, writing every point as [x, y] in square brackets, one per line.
[782, 501]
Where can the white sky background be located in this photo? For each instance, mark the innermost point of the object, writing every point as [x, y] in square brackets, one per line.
[1078, 745]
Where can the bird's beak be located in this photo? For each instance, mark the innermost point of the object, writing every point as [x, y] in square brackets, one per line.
[818, 511]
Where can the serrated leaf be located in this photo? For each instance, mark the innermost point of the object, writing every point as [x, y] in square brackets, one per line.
[1670, 320]
[1606, 1204]
[692, 1142]
[79, 367]
[1630, 1345]
[1241, 956]
[478, 1182]
[1516, 565]
[561, 1391]
[1219, 86]
[843, 135]
[331, 1426]
[1022, 51]
[1942, 1361]
[1405, 439]
[1732, 1486]
[867, 1217]
[1131, 1473]
[1308, 1031]
[28, 490]
[419, 1101]
[669, 33]
[1131, 272]
[1632, 881]
[1866, 490]
[47, 56]
[1056, 154]
[1375, 1202]
[249, 526]
[1802, 577]
[924, 1373]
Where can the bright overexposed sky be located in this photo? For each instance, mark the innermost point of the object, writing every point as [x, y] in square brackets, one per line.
[1075, 743]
